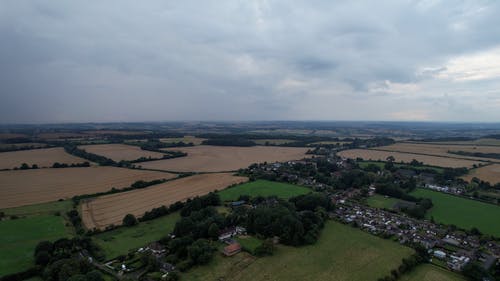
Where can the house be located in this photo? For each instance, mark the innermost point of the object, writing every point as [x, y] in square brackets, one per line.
[232, 249]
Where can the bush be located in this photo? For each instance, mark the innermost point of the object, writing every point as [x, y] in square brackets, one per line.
[129, 220]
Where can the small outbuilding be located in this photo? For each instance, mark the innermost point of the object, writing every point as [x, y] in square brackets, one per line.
[232, 249]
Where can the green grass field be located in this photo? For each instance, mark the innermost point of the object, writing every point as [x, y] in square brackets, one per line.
[380, 201]
[364, 164]
[249, 243]
[121, 240]
[40, 209]
[428, 272]
[342, 253]
[263, 188]
[18, 239]
[462, 212]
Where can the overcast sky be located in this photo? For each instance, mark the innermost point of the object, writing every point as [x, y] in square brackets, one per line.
[81, 61]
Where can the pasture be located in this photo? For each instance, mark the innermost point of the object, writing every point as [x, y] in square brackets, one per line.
[119, 152]
[489, 173]
[205, 158]
[263, 188]
[19, 237]
[44, 157]
[110, 209]
[124, 239]
[462, 212]
[428, 272]
[341, 253]
[25, 187]
[378, 155]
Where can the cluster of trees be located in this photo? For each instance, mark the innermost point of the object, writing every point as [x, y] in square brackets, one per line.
[156, 144]
[61, 260]
[419, 210]
[101, 160]
[229, 141]
[396, 191]
[18, 148]
[373, 142]
[25, 166]
[296, 222]
[73, 165]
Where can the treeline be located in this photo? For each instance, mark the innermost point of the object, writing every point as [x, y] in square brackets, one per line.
[373, 142]
[229, 141]
[101, 160]
[408, 264]
[58, 165]
[476, 154]
[19, 148]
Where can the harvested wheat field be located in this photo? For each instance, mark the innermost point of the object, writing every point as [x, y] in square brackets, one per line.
[206, 158]
[110, 209]
[490, 173]
[442, 149]
[119, 152]
[25, 187]
[41, 157]
[368, 154]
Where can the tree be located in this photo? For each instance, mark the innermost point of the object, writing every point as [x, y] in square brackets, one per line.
[200, 251]
[129, 220]
[42, 258]
[94, 275]
[213, 231]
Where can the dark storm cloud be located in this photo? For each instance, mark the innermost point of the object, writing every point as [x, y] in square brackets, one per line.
[248, 60]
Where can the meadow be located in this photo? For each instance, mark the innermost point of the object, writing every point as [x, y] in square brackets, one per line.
[19, 237]
[110, 209]
[462, 212]
[263, 188]
[124, 239]
[428, 272]
[341, 253]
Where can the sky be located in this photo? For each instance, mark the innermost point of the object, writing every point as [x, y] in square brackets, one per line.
[159, 60]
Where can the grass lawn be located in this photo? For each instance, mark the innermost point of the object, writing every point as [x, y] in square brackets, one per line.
[428, 272]
[40, 209]
[462, 212]
[249, 243]
[380, 201]
[121, 240]
[342, 253]
[18, 239]
[263, 188]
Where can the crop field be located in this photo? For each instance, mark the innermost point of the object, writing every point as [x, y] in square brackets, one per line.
[263, 188]
[206, 158]
[341, 253]
[25, 187]
[185, 139]
[110, 209]
[119, 152]
[442, 149]
[490, 173]
[377, 155]
[41, 157]
[462, 212]
[428, 272]
[19, 237]
[123, 239]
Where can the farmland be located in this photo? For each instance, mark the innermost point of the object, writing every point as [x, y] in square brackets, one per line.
[19, 237]
[462, 212]
[341, 253]
[119, 152]
[378, 155]
[121, 240]
[490, 173]
[41, 157]
[428, 272]
[206, 158]
[24, 187]
[263, 188]
[110, 209]
[442, 150]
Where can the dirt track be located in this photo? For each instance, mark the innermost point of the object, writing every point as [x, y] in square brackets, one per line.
[42, 157]
[119, 152]
[205, 158]
[110, 209]
[18, 188]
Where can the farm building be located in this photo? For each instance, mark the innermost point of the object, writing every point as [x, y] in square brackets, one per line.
[232, 249]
